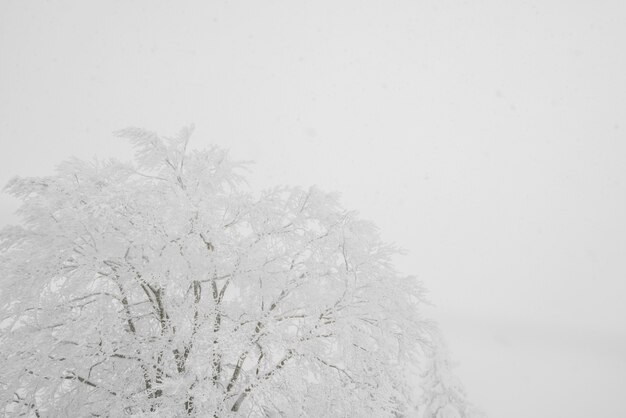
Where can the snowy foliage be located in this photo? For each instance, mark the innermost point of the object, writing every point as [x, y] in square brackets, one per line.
[443, 393]
[164, 288]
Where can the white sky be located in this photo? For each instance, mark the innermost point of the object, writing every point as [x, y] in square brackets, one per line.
[485, 137]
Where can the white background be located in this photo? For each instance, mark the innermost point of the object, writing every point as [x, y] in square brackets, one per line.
[485, 137]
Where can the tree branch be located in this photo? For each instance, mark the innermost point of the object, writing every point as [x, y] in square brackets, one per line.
[74, 376]
[290, 353]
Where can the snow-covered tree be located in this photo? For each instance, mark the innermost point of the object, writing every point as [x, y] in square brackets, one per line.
[443, 393]
[163, 287]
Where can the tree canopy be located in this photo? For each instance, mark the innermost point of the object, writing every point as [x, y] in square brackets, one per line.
[164, 287]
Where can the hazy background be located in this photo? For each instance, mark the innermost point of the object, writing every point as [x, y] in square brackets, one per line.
[485, 137]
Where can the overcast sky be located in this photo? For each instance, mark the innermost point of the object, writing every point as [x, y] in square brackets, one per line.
[485, 137]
